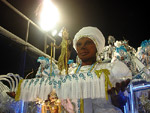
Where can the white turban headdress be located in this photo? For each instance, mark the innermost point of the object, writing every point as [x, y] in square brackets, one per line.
[94, 34]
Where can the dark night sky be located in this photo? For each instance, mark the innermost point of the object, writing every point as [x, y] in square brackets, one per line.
[120, 18]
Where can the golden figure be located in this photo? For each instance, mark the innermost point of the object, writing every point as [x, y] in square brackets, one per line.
[52, 104]
[65, 50]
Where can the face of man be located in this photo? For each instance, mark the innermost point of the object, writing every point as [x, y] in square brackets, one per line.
[86, 49]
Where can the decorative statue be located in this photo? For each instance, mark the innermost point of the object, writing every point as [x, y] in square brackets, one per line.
[45, 68]
[108, 51]
[130, 49]
[65, 51]
[144, 53]
[44, 64]
[123, 53]
[52, 104]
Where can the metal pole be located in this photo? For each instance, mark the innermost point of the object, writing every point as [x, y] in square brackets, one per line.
[54, 50]
[25, 50]
[27, 33]
[45, 44]
[51, 60]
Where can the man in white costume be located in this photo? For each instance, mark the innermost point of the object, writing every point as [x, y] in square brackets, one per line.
[89, 43]
[89, 81]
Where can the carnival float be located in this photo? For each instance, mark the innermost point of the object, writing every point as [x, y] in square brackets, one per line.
[62, 86]
[55, 83]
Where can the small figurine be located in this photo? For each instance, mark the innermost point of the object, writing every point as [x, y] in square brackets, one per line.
[52, 104]
[65, 51]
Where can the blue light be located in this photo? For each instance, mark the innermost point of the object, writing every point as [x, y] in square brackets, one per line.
[132, 98]
[141, 87]
[130, 105]
[125, 109]
[22, 106]
[39, 110]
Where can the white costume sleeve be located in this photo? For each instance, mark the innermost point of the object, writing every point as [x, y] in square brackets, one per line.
[118, 72]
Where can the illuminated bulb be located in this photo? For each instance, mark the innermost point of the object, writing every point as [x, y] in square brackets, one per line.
[49, 15]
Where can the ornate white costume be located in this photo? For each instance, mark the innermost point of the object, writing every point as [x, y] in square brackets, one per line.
[78, 85]
[89, 82]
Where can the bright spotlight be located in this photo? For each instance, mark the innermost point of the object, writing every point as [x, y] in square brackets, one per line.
[49, 15]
